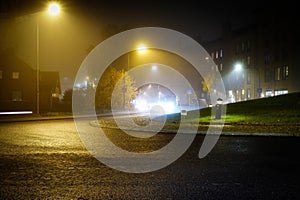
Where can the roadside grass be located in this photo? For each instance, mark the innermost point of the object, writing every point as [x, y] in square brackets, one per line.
[280, 114]
[278, 109]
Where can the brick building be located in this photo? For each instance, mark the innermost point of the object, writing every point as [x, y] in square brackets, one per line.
[18, 86]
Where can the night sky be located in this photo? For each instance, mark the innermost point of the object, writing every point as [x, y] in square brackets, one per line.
[66, 41]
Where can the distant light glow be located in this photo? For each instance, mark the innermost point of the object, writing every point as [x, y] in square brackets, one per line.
[78, 85]
[54, 9]
[141, 105]
[238, 67]
[142, 48]
[16, 113]
[151, 97]
[154, 67]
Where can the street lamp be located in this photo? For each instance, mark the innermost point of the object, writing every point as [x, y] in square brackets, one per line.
[238, 67]
[53, 9]
[238, 71]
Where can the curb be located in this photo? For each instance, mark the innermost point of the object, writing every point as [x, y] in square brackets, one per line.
[233, 133]
[96, 124]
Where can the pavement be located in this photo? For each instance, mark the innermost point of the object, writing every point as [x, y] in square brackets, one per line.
[238, 129]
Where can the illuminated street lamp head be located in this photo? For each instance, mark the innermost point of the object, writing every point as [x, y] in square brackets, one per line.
[238, 67]
[53, 9]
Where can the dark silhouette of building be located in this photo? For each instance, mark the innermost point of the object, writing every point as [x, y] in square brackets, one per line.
[18, 86]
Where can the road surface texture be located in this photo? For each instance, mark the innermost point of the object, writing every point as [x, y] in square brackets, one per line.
[46, 160]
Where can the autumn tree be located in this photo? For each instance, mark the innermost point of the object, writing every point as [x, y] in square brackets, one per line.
[115, 90]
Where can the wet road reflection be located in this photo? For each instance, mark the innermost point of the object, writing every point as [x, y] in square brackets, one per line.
[46, 160]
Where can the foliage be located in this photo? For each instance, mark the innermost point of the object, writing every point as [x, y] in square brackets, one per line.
[67, 96]
[111, 91]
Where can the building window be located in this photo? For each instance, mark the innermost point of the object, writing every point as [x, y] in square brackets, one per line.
[248, 60]
[248, 93]
[15, 75]
[248, 77]
[221, 66]
[248, 46]
[221, 53]
[243, 94]
[280, 92]
[1, 74]
[267, 75]
[237, 94]
[243, 46]
[217, 54]
[267, 59]
[269, 93]
[285, 72]
[277, 73]
[16, 95]
[231, 98]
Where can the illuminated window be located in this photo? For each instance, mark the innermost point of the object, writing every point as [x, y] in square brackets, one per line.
[269, 93]
[221, 53]
[231, 97]
[285, 72]
[15, 75]
[280, 92]
[277, 73]
[221, 66]
[248, 93]
[217, 54]
[16, 95]
[248, 60]
[237, 94]
[243, 94]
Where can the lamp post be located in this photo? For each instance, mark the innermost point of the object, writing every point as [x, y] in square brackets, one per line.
[53, 9]
[37, 66]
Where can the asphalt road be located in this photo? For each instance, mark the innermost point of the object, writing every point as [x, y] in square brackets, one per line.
[46, 160]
